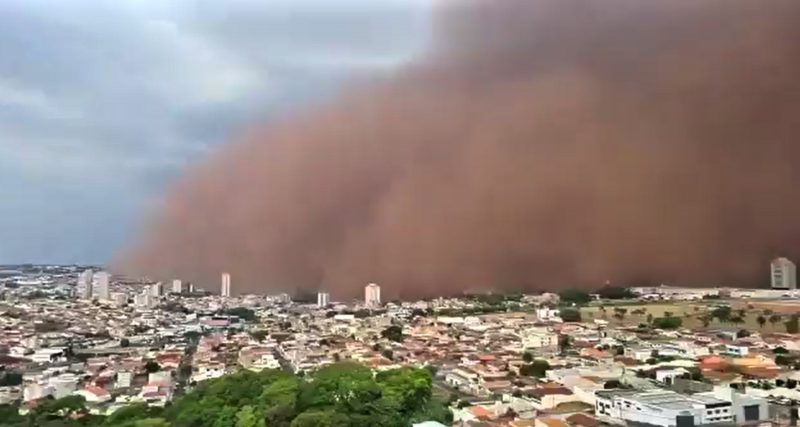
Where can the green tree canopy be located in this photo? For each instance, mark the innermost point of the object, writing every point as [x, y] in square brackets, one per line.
[570, 314]
[538, 369]
[393, 333]
[339, 395]
[668, 322]
[615, 292]
[575, 296]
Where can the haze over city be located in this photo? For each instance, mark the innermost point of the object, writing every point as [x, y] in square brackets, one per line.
[399, 213]
[433, 147]
[534, 145]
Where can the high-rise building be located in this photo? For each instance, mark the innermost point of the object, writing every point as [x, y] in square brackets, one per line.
[323, 299]
[119, 298]
[783, 274]
[177, 287]
[156, 289]
[102, 282]
[225, 289]
[84, 288]
[144, 300]
[372, 295]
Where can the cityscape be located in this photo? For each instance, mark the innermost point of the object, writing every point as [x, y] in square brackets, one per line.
[399, 213]
[81, 344]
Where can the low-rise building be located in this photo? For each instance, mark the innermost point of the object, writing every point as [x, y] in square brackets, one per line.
[670, 409]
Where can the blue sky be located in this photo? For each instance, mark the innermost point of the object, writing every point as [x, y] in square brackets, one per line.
[103, 103]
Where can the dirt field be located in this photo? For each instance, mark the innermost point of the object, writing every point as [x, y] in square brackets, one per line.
[691, 312]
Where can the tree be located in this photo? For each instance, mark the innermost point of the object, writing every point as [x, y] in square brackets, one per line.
[152, 366]
[722, 313]
[9, 414]
[783, 360]
[192, 336]
[761, 321]
[536, 369]
[667, 322]
[280, 397]
[259, 334]
[393, 333]
[341, 394]
[649, 318]
[408, 388]
[527, 357]
[575, 296]
[780, 350]
[248, 416]
[742, 333]
[774, 318]
[11, 378]
[136, 414]
[152, 422]
[326, 418]
[615, 292]
[564, 343]
[362, 313]
[706, 320]
[570, 314]
[58, 409]
[792, 326]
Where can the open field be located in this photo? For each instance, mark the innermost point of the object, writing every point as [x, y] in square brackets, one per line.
[691, 313]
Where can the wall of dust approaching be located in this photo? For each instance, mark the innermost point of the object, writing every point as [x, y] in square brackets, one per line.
[540, 144]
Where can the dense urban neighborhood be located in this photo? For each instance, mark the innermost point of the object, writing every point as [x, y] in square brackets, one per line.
[83, 347]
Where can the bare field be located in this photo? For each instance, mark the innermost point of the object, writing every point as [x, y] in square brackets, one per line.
[692, 312]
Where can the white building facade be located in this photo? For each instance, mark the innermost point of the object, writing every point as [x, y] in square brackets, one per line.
[670, 409]
[323, 299]
[372, 295]
[85, 284]
[783, 274]
[225, 286]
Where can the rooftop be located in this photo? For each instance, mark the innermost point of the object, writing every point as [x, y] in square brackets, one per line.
[665, 399]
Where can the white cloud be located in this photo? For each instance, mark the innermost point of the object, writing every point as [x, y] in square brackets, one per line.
[15, 95]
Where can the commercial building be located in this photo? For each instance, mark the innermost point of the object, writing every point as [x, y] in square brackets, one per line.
[783, 274]
[102, 281]
[119, 298]
[538, 338]
[177, 286]
[144, 300]
[372, 295]
[667, 408]
[225, 288]
[85, 282]
[156, 289]
[323, 299]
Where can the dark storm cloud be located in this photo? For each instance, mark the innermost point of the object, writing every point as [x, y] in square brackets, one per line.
[103, 102]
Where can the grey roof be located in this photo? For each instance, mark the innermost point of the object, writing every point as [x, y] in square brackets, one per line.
[663, 399]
